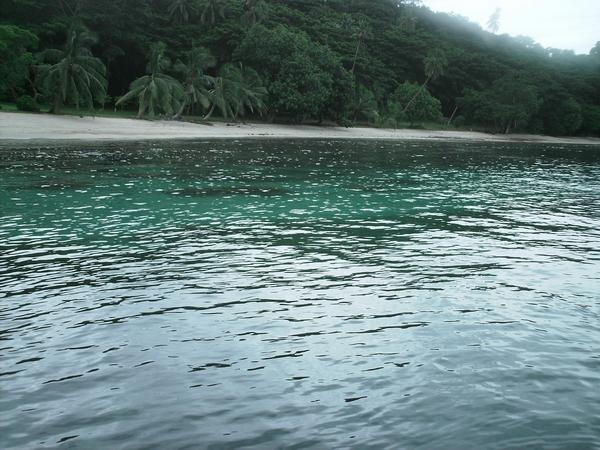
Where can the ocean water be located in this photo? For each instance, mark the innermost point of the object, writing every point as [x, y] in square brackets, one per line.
[300, 294]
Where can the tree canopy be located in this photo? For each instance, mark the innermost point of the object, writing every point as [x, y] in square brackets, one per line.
[415, 103]
[16, 57]
[156, 92]
[73, 74]
[338, 60]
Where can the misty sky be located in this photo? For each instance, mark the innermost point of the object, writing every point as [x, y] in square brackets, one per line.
[573, 24]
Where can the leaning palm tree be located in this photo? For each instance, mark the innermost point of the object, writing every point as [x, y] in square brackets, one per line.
[361, 31]
[435, 65]
[359, 28]
[155, 92]
[236, 90]
[223, 96]
[74, 75]
[196, 84]
[212, 9]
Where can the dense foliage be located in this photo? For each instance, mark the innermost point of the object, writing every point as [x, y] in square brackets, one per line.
[413, 103]
[376, 61]
[15, 59]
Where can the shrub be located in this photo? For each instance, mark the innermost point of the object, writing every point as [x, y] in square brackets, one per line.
[346, 123]
[27, 103]
[388, 122]
[459, 121]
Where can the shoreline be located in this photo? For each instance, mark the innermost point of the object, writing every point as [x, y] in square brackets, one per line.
[26, 128]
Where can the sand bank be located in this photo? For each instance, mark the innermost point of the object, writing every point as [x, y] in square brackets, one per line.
[46, 127]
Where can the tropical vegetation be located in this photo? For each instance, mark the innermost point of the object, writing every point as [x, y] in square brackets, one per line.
[73, 74]
[377, 62]
[156, 92]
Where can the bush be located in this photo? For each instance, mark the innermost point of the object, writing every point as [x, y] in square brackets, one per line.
[306, 79]
[387, 122]
[27, 103]
[591, 120]
[345, 122]
[415, 103]
[459, 121]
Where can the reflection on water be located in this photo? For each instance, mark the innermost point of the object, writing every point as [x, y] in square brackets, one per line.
[300, 294]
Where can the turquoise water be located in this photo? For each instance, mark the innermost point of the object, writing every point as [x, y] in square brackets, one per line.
[300, 294]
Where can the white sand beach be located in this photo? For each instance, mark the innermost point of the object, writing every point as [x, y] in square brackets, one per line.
[47, 127]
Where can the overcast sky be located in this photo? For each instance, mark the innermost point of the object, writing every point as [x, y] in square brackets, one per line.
[573, 24]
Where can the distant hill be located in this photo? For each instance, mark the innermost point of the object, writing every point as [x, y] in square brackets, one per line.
[384, 62]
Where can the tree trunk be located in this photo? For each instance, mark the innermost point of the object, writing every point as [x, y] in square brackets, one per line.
[453, 114]
[356, 56]
[212, 109]
[141, 111]
[180, 112]
[412, 100]
[14, 94]
[57, 104]
[31, 83]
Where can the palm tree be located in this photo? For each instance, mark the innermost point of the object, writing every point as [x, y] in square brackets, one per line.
[361, 32]
[494, 21]
[74, 74]
[179, 10]
[223, 96]
[195, 83]
[435, 65]
[70, 8]
[211, 10]
[235, 90]
[251, 92]
[255, 11]
[155, 91]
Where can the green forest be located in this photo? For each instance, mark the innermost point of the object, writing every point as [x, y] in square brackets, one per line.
[386, 63]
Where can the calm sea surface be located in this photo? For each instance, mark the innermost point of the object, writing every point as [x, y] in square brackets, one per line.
[300, 294]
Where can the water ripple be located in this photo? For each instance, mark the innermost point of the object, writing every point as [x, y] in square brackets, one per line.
[300, 294]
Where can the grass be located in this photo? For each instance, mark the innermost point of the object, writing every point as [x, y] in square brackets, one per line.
[10, 107]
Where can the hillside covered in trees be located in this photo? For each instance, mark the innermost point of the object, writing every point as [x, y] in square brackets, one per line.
[383, 62]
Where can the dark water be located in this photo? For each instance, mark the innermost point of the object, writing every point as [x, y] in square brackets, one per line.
[300, 295]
